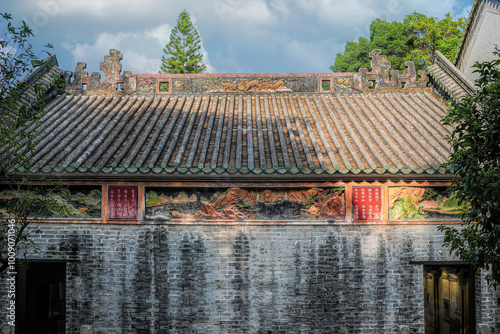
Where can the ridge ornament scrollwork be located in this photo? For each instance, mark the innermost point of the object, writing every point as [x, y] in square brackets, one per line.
[381, 75]
[113, 80]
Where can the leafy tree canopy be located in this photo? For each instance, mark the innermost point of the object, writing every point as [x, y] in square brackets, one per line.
[475, 161]
[354, 57]
[428, 34]
[16, 59]
[391, 39]
[416, 39]
[20, 116]
[181, 54]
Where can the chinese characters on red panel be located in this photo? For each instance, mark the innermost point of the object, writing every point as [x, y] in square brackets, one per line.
[366, 203]
[122, 202]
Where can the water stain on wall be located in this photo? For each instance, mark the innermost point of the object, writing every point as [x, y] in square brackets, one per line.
[143, 276]
[161, 256]
[241, 282]
[190, 315]
[81, 245]
[407, 285]
[235, 279]
[354, 289]
[381, 288]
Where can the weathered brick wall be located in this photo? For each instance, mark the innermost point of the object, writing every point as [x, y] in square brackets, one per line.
[247, 279]
[487, 309]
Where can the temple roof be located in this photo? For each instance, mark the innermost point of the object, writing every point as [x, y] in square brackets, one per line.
[449, 78]
[41, 79]
[243, 126]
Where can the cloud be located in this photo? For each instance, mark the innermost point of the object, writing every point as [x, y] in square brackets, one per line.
[465, 12]
[95, 7]
[228, 64]
[280, 8]
[316, 55]
[142, 51]
[237, 35]
[243, 11]
[160, 33]
[206, 60]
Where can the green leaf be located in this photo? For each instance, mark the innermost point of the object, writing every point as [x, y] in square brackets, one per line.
[415, 39]
[475, 159]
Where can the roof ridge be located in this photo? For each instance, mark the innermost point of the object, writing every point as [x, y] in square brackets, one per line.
[446, 74]
[43, 75]
[39, 71]
[379, 77]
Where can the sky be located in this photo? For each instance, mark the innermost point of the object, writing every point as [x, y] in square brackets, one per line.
[238, 36]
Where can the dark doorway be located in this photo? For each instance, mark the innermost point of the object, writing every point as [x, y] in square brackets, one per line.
[41, 298]
[448, 300]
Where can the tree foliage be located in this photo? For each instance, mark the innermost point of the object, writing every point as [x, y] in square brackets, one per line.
[428, 34]
[354, 57]
[416, 39]
[475, 161]
[26, 205]
[17, 109]
[390, 38]
[20, 117]
[181, 54]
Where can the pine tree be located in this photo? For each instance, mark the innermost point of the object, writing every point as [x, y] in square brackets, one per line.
[181, 53]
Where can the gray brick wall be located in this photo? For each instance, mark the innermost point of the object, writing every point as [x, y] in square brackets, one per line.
[247, 279]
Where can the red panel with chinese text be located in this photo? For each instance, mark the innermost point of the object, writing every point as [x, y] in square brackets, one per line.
[366, 203]
[122, 202]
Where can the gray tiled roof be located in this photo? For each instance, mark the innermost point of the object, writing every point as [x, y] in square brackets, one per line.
[44, 76]
[234, 134]
[449, 78]
[256, 128]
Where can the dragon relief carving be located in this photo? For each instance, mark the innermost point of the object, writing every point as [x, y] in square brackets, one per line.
[378, 77]
[245, 85]
[111, 67]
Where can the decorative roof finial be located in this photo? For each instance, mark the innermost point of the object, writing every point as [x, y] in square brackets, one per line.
[378, 77]
[111, 67]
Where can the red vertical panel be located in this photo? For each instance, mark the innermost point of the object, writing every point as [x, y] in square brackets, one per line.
[122, 202]
[366, 203]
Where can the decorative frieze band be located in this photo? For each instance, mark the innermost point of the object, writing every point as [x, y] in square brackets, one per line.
[381, 76]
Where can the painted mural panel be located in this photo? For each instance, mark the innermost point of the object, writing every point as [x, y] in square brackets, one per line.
[241, 84]
[423, 203]
[82, 201]
[246, 203]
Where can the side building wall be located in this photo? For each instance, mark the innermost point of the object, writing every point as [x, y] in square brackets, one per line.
[481, 39]
[216, 278]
